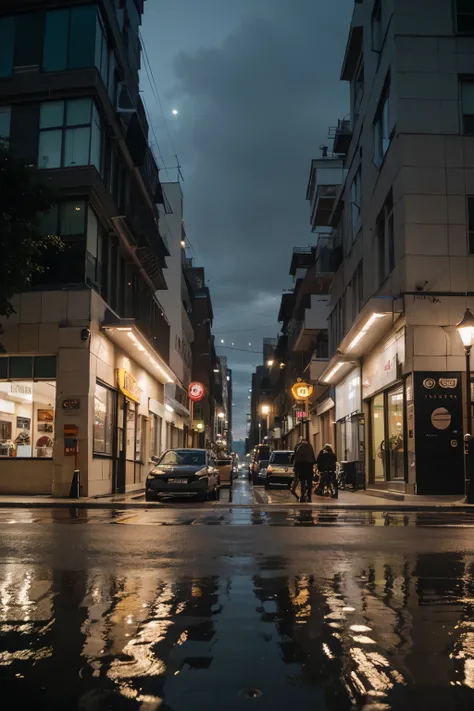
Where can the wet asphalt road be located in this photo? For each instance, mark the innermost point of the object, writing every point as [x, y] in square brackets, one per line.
[201, 608]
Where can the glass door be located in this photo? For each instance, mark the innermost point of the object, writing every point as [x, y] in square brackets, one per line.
[395, 443]
[378, 438]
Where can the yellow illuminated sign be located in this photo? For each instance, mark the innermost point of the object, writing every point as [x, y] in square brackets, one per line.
[128, 385]
[301, 390]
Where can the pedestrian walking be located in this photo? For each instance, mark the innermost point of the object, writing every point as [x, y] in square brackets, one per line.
[327, 465]
[303, 466]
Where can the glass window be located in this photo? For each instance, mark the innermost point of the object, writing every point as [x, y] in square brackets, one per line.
[183, 457]
[52, 114]
[470, 215]
[78, 112]
[28, 39]
[49, 150]
[104, 418]
[377, 26]
[7, 44]
[356, 199]
[382, 129]
[467, 98]
[465, 16]
[5, 118]
[138, 439]
[131, 431]
[56, 37]
[378, 437]
[3, 368]
[27, 417]
[76, 146]
[358, 91]
[72, 218]
[66, 138]
[45, 367]
[395, 445]
[82, 36]
[21, 367]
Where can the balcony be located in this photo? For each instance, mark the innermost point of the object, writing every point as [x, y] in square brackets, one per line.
[315, 320]
[315, 368]
[328, 254]
[341, 135]
[326, 177]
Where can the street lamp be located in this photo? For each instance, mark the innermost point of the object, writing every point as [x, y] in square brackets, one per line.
[265, 409]
[465, 328]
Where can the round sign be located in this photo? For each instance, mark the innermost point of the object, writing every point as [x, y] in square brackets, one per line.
[301, 390]
[440, 418]
[196, 391]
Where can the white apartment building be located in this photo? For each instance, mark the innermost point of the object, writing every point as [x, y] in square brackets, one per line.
[406, 216]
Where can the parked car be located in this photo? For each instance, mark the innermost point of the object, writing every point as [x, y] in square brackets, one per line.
[183, 472]
[280, 468]
[261, 453]
[262, 471]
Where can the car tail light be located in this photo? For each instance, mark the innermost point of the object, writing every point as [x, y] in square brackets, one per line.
[269, 469]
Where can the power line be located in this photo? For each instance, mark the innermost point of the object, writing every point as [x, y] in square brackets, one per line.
[231, 348]
[158, 99]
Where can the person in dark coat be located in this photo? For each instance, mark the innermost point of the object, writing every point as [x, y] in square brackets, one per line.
[304, 462]
[326, 463]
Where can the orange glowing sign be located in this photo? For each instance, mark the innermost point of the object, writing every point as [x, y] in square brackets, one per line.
[196, 391]
[301, 390]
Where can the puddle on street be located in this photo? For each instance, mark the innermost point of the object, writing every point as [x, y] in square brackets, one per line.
[397, 633]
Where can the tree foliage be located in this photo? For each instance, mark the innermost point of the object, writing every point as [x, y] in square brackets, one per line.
[23, 203]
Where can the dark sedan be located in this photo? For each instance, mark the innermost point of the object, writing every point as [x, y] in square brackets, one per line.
[183, 472]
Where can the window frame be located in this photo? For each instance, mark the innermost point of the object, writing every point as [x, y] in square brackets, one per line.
[462, 13]
[359, 90]
[66, 127]
[6, 110]
[466, 80]
[356, 203]
[376, 23]
[470, 223]
[110, 420]
[381, 126]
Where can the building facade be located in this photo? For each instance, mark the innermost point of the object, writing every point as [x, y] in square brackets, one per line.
[405, 218]
[94, 371]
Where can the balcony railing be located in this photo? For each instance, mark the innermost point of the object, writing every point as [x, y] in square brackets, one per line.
[341, 135]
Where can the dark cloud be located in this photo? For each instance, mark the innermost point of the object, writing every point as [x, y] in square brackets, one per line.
[254, 109]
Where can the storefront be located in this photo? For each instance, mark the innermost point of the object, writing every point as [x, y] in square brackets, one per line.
[27, 406]
[350, 428]
[384, 393]
[325, 413]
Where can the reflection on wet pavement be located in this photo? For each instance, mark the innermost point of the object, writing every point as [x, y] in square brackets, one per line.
[239, 516]
[394, 633]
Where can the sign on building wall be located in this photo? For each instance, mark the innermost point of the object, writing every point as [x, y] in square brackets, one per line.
[301, 390]
[196, 391]
[382, 366]
[128, 385]
[439, 433]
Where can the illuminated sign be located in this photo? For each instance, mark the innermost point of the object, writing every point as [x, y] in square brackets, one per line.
[301, 390]
[196, 391]
[128, 385]
[301, 415]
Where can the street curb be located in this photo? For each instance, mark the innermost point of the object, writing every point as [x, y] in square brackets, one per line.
[152, 506]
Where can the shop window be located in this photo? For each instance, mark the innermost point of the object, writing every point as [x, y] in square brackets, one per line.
[44, 367]
[378, 438]
[68, 220]
[5, 120]
[27, 416]
[104, 419]
[7, 45]
[21, 367]
[70, 134]
[155, 436]
[394, 438]
[131, 434]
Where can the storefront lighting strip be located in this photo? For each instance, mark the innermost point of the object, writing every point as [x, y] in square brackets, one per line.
[364, 330]
[332, 372]
[152, 360]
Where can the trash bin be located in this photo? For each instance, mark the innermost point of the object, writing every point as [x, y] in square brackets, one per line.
[354, 475]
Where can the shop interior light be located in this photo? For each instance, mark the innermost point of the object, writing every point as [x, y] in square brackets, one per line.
[152, 360]
[333, 372]
[364, 330]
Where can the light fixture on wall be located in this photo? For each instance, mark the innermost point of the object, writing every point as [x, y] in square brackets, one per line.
[333, 372]
[364, 330]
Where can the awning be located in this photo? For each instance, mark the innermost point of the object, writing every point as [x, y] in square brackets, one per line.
[125, 334]
[326, 405]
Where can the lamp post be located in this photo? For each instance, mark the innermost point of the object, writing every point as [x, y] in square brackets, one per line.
[465, 328]
[265, 410]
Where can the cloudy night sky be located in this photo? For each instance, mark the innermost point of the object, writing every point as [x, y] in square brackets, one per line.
[256, 84]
